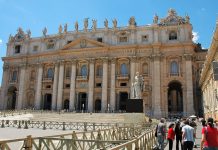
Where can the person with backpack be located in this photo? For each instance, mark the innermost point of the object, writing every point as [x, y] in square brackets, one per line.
[209, 140]
[161, 133]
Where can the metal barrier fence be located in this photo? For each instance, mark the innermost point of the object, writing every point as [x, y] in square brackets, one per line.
[115, 138]
[82, 126]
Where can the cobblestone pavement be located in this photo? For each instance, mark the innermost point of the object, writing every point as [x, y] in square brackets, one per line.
[197, 140]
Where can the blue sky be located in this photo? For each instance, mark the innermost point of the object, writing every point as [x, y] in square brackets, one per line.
[37, 14]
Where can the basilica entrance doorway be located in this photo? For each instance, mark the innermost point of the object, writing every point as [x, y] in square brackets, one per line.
[47, 102]
[97, 105]
[82, 102]
[12, 98]
[175, 99]
[66, 104]
[123, 100]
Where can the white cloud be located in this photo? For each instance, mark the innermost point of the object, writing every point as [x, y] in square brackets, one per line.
[1, 42]
[195, 36]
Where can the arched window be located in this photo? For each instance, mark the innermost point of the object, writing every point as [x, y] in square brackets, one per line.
[145, 68]
[174, 68]
[50, 73]
[172, 35]
[124, 69]
[84, 70]
[14, 76]
[99, 71]
[68, 73]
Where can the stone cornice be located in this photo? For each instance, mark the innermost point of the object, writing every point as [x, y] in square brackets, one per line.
[210, 56]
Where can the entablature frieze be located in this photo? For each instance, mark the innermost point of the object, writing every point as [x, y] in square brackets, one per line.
[156, 57]
[188, 57]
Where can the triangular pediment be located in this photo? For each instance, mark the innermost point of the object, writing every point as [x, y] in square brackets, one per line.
[84, 42]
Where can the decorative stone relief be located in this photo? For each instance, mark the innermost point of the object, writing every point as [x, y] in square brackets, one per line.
[172, 19]
[83, 43]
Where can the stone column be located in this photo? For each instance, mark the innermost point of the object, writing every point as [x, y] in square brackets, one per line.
[73, 85]
[91, 84]
[3, 100]
[104, 85]
[189, 85]
[60, 85]
[113, 81]
[22, 76]
[55, 84]
[38, 87]
[156, 102]
[132, 74]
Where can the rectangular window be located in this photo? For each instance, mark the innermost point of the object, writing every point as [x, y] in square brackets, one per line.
[17, 49]
[123, 39]
[69, 42]
[99, 39]
[98, 84]
[123, 84]
[35, 48]
[67, 86]
[144, 38]
[50, 45]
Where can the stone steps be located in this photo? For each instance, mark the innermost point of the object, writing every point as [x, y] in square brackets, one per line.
[87, 117]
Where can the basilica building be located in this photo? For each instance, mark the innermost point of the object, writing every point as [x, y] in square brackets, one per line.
[93, 69]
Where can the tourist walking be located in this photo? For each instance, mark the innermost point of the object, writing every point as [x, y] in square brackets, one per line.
[178, 132]
[188, 136]
[171, 135]
[161, 133]
[209, 140]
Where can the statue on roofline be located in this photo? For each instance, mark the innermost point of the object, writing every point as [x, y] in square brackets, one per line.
[115, 23]
[44, 31]
[60, 29]
[65, 28]
[76, 26]
[106, 23]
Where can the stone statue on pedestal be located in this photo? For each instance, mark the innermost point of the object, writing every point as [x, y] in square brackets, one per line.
[137, 86]
[44, 31]
[76, 26]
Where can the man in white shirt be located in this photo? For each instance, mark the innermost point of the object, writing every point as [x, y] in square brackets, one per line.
[188, 136]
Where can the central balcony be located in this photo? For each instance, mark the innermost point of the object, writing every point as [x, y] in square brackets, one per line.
[81, 78]
[123, 76]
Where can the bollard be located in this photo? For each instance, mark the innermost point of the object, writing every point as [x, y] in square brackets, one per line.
[85, 126]
[3, 125]
[25, 126]
[19, 126]
[98, 139]
[28, 143]
[44, 127]
[64, 126]
[93, 126]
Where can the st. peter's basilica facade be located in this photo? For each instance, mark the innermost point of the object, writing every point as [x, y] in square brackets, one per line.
[93, 69]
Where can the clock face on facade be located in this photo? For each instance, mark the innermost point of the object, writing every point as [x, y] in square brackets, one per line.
[83, 43]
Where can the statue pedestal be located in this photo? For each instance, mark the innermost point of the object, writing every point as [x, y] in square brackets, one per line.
[134, 105]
